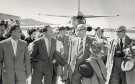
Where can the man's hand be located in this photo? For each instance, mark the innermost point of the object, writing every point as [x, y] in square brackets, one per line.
[54, 61]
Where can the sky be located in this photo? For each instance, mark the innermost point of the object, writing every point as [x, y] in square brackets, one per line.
[31, 8]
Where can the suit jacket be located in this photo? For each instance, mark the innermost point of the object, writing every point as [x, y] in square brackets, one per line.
[73, 52]
[14, 66]
[41, 60]
[86, 51]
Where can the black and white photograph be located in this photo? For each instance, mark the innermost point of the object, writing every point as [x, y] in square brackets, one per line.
[67, 41]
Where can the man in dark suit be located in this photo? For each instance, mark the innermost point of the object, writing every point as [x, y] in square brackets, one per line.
[44, 55]
[123, 41]
[2, 30]
[14, 58]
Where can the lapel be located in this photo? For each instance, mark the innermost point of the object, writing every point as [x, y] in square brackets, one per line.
[44, 45]
[118, 43]
[10, 47]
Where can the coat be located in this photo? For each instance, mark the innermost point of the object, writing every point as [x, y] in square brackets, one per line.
[110, 56]
[40, 56]
[14, 67]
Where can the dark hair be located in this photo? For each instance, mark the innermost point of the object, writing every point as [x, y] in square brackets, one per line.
[4, 23]
[22, 36]
[68, 28]
[12, 28]
[97, 28]
[61, 28]
[44, 29]
[30, 31]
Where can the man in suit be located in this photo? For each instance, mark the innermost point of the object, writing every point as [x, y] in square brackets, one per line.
[96, 66]
[65, 39]
[114, 59]
[2, 31]
[44, 55]
[81, 51]
[14, 59]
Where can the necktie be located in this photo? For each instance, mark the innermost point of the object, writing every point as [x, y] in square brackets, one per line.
[121, 44]
[81, 49]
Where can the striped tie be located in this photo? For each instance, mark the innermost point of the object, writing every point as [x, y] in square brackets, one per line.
[121, 44]
[80, 49]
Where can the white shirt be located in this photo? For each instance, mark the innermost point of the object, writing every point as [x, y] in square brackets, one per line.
[48, 44]
[14, 45]
[59, 46]
[123, 41]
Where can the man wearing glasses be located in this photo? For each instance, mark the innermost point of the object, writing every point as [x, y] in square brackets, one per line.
[81, 52]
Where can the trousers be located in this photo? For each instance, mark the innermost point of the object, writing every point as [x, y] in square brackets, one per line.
[118, 76]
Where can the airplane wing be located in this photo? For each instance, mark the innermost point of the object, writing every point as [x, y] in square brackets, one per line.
[133, 27]
[93, 16]
[54, 15]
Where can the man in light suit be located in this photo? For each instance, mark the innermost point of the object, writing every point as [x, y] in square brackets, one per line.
[87, 68]
[44, 55]
[14, 59]
[77, 59]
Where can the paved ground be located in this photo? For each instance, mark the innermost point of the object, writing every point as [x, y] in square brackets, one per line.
[58, 82]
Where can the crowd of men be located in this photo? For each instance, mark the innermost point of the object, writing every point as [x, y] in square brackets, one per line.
[69, 56]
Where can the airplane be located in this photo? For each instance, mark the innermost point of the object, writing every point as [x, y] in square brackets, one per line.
[80, 18]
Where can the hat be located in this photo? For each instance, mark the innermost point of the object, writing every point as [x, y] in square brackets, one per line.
[121, 29]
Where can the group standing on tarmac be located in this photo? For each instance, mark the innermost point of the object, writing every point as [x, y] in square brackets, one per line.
[69, 56]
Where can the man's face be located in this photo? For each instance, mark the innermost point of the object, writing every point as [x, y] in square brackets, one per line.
[62, 32]
[100, 33]
[33, 35]
[49, 32]
[2, 30]
[121, 34]
[74, 21]
[81, 32]
[70, 32]
[16, 33]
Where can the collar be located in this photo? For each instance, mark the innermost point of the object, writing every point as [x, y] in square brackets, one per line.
[12, 40]
[123, 39]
